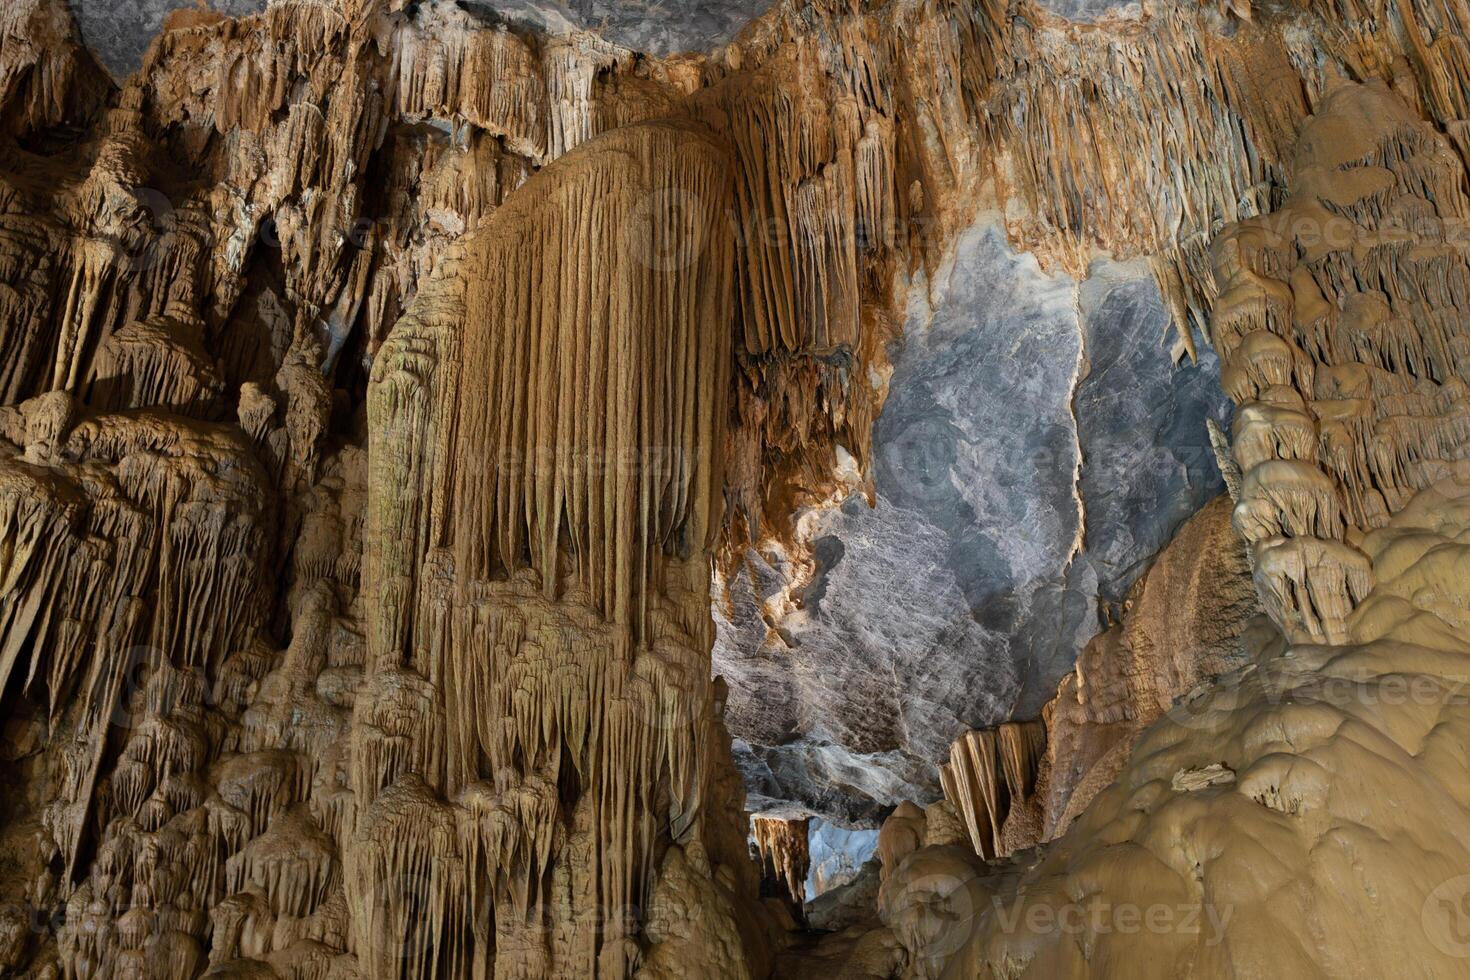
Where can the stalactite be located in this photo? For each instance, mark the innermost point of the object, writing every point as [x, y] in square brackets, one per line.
[46, 77]
[990, 772]
[785, 855]
[570, 510]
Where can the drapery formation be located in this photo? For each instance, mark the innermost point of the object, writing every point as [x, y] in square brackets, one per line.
[543, 503]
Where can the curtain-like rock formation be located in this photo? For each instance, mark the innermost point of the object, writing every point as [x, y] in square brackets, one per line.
[543, 500]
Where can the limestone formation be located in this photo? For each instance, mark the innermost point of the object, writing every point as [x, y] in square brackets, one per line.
[785, 855]
[391, 391]
[1258, 824]
[1193, 618]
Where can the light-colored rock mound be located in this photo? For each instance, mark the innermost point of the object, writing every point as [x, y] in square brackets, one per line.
[1307, 818]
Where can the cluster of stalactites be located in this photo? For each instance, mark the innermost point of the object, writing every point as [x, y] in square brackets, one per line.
[221, 815]
[829, 203]
[1088, 179]
[135, 575]
[548, 427]
[991, 772]
[132, 539]
[589, 412]
[112, 286]
[205, 856]
[1339, 330]
[45, 75]
[785, 854]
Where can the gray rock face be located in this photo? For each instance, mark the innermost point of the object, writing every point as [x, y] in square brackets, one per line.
[656, 27]
[1147, 462]
[853, 903]
[966, 593]
[1091, 10]
[119, 31]
[837, 856]
[809, 773]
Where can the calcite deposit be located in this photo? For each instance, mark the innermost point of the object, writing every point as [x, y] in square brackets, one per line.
[1260, 826]
[410, 409]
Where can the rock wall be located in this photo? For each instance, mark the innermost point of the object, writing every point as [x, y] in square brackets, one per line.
[1303, 815]
[1036, 450]
[1192, 619]
[120, 31]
